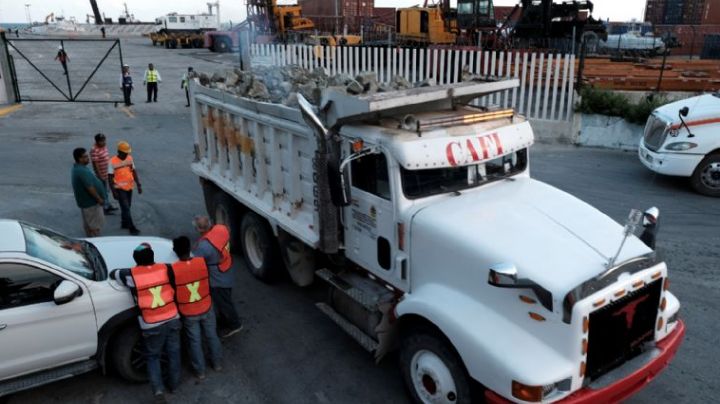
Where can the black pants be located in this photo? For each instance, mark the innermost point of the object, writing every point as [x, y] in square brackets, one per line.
[125, 201]
[64, 65]
[126, 94]
[187, 96]
[225, 308]
[152, 91]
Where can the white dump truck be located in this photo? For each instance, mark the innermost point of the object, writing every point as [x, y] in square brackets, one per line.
[682, 139]
[419, 212]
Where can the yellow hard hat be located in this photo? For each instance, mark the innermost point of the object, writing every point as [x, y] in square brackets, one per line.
[124, 147]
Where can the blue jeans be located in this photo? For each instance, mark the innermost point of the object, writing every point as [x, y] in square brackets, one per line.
[197, 327]
[125, 201]
[164, 338]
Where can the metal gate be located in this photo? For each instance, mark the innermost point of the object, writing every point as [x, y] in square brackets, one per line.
[91, 72]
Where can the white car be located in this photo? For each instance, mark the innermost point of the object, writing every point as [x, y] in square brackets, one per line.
[60, 315]
[683, 139]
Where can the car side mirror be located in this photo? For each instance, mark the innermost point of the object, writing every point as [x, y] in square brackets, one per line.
[505, 275]
[65, 292]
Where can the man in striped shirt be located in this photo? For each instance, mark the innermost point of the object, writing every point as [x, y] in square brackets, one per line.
[100, 160]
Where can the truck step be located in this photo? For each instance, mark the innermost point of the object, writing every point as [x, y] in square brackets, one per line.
[363, 339]
[47, 376]
[354, 293]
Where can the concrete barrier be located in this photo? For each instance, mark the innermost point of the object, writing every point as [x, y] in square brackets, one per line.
[610, 132]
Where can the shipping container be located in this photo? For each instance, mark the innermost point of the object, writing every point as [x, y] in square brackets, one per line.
[711, 47]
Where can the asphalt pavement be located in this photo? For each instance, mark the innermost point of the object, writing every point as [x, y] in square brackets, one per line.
[289, 351]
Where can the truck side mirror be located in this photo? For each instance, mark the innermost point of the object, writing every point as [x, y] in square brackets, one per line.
[650, 225]
[505, 275]
[681, 113]
[684, 111]
[339, 181]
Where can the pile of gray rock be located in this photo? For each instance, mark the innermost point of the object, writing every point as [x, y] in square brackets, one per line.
[282, 84]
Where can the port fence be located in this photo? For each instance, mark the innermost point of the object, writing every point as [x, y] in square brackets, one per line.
[546, 90]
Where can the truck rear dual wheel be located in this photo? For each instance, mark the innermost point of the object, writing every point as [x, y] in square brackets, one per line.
[260, 249]
[432, 371]
[221, 45]
[706, 178]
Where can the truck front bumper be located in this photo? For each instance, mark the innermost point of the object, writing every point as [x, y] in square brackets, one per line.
[679, 164]
[627, 386]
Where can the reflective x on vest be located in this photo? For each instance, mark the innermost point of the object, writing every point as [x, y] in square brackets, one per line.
[193, 289]
[157, 297]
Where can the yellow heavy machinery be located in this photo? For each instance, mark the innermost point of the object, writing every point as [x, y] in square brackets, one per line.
[274, 22]
[424, 26]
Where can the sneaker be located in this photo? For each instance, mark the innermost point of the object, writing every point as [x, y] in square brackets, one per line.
[217, 368]
[112, 208]
[159, 397]
[200, 376]
[134, 231]
[232, 332]
[108, 212]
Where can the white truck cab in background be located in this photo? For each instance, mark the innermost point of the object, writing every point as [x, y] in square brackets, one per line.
[420, 213]
[682, 138]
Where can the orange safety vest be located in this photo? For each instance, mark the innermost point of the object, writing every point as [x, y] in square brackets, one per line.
[155, 295]
[219, 237]
[193, 288]
[123, 173]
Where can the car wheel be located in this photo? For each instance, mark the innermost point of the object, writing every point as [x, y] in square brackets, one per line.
[432, 371]
[128, 355]
[706, 178]
[259, 248]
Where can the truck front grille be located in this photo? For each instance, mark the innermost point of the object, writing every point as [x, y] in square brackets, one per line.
[619, 330]
[655, 133]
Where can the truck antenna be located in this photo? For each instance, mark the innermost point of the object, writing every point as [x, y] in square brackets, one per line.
[632, 222]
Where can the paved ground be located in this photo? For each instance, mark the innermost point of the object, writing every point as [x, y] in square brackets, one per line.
[290, 351]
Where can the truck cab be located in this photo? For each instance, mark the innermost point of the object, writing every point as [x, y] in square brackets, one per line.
[681, 139]
[435, 241]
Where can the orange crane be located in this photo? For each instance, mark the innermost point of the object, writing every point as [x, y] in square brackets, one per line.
[273, 21]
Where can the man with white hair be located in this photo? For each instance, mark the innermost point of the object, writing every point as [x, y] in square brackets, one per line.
[214, 246]
[63, 58]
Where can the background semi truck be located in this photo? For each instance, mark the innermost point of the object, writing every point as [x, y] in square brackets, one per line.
[418, 211]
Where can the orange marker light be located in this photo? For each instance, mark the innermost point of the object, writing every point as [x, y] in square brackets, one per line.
[582, 369]
[584, 346]
[357, 146]
[666, 286]
[638, 284]
[586, 325]
[661, 322]
[599, 303]
[620, 293]
[527, 299]
[527, 393]
[656, 275]
[536, 316]
[663, 304]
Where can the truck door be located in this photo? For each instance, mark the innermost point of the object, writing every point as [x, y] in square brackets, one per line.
[369, 220]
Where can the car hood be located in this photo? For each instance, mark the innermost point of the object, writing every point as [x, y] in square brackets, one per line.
[118, 251]
[552, 237]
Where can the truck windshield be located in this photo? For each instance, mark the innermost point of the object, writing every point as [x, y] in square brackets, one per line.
[421, 183]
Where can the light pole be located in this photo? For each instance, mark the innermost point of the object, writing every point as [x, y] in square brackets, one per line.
[27, 14]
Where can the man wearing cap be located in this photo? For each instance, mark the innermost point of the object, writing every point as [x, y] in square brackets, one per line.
[63, 58]
[90, 194]
[152, 287]
[126, 84]
[123, 177]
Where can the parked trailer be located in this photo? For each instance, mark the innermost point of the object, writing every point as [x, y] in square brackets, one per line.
[171, 40]
[437, 242]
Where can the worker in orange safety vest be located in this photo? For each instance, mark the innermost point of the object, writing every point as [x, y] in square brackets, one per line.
[193, 296]
[214, 246]
[151, 285]
[123, 177]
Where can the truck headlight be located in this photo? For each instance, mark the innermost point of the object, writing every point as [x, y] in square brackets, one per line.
[680, 146]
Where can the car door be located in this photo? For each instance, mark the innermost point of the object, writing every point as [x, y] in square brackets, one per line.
[36, 333]
[370, 219]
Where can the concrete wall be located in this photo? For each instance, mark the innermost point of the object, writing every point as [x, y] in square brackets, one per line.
[6, 89]
[589, 130]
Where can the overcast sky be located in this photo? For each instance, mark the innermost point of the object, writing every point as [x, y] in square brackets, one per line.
[14, 10]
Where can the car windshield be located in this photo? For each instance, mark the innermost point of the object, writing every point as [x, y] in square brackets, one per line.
[422, 183]
[77, 256]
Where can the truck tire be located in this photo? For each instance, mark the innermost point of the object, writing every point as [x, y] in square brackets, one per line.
[221, 45]
[127, 355]
[432, 371]
[225, 210]
[706, 177]
[259, 247]
[299, 260]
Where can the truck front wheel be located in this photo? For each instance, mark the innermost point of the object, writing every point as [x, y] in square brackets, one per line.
[706, 178]
[259, 248]
[432, 371]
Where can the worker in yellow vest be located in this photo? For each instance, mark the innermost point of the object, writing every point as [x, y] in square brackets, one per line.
[151, 80]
